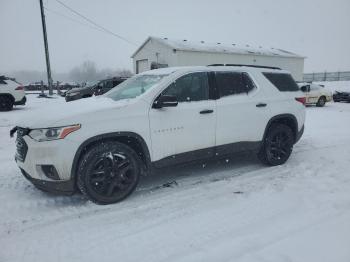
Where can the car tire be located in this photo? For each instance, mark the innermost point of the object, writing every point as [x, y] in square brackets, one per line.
[321, 102]
[277, 145]
[108, 172]
[6, 103]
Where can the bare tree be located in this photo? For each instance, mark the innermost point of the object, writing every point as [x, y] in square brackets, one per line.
[85, 72]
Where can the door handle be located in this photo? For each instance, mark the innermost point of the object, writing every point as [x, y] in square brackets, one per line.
[261, 105]
[206, 111]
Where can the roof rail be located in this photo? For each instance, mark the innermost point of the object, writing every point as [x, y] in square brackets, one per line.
[257, 66]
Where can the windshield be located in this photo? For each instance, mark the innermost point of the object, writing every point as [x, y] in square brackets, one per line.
[134, 87]
[92, 84]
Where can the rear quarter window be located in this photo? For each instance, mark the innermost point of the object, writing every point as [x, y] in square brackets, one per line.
[282, 81]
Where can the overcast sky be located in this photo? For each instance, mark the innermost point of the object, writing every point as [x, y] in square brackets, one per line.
[318, 30]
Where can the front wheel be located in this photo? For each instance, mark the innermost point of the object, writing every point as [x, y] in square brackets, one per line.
[277, 145]
[108, 172]
[6, 103]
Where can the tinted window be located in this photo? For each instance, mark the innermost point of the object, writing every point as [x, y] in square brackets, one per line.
[2, 82]
[191, 87]
[230, 83]
[283, 82]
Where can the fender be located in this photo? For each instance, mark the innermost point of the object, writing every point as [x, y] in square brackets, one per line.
[8, 94]
[281, 117]
[113, 135]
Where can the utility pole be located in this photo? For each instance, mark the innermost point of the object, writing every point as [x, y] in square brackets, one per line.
[49, 78]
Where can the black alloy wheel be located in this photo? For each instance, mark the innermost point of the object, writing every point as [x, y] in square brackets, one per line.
[6, 103]
[278, 145]
[108, 173]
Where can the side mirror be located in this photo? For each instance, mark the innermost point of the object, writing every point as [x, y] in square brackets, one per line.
[165, 101]
[305, 89]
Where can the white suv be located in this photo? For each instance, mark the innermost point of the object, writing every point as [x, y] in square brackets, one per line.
[11, 93]
[163, 117]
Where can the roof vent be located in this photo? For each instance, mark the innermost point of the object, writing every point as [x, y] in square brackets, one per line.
[202, 42]
[233, 44]
[165, 38]
[185, 40]
[218, 43]
[247, 45]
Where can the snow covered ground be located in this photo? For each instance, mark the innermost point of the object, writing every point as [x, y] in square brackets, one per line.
[230, 210]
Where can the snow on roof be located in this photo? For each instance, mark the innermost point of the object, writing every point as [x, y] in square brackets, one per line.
[160, 71]
[201, 46]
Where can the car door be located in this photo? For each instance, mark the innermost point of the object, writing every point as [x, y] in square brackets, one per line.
[242, 112]
[186, 131]
[314, 94]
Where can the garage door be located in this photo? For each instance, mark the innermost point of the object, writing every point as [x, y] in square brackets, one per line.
[141, 66]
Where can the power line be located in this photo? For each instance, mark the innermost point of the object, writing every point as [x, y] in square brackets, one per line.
[94, 23]
[73, 20]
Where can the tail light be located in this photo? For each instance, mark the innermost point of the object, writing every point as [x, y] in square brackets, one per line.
[301, 100]
[19, 88]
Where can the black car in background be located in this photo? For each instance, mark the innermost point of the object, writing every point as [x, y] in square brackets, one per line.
[95, 88]
[341, 96]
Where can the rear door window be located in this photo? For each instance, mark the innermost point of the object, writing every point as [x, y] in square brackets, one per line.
[230, 83]
[282, 81]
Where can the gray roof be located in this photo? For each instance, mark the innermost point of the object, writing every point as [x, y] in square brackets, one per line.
[201, 46]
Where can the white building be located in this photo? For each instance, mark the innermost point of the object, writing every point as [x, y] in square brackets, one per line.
[161, 52]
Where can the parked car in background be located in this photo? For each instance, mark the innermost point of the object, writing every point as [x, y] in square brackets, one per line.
[11, 93]
[94, 88]
[160, 118]
[80, 92]
[38, 86]
[105, 85]
[341, 96]
[315, 94]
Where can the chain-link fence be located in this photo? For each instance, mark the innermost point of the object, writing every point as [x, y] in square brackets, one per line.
[327, 76]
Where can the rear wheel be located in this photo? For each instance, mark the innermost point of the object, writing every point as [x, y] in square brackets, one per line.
[108, 172]
[277, 145]
[6, 103]
[321, 101]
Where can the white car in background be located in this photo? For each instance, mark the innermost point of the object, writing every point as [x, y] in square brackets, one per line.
[315, 94]
[11, 93]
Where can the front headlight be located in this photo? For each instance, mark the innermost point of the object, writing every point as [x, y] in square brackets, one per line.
[52, 133]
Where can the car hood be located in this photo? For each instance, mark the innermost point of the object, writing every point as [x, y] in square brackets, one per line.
[62, 113]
